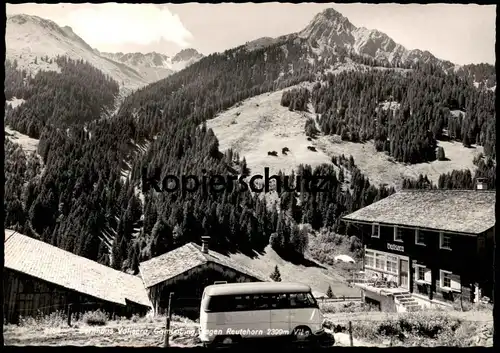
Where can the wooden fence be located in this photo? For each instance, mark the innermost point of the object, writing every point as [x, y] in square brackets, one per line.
[338, 299]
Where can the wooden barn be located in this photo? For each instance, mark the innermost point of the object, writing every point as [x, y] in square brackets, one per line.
[186, 271]
[40, 278]
[437, 245]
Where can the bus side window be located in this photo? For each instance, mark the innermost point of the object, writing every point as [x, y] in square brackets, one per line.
[261, 301]
[279, 301]
[243, 302]
[299, 300]
[217, 303]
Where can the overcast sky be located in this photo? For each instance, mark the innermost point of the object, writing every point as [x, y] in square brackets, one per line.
[460, 33]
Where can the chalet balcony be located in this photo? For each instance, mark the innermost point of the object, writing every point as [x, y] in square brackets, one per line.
[377, 287]
[361, 277]
[386, 285]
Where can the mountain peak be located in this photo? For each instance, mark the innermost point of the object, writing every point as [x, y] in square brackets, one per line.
[332, 31]
[22, 19]
[333, 18]
[329, 27]
[187, 54]
[331, 14]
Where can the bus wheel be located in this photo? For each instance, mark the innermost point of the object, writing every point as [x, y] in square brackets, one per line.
[302, 333]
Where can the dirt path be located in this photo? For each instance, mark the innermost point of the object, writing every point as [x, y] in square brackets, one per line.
[130, 334]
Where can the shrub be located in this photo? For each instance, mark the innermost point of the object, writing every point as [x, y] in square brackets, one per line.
[420, 328]
[55, 319]
[349, 307]
[95, 318]
[430, 329]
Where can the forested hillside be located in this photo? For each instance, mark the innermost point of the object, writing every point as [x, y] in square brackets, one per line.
[76, 95]
[217, 82]
[483, 74]
[349, 105]
[79, 202]
[459, 179]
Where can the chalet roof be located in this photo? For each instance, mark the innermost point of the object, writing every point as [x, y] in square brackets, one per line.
[51, 264]
[173, 263]
[462, 211]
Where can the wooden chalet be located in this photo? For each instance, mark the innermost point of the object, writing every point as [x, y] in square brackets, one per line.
[436, 246]
[40, 278]
[186, 271]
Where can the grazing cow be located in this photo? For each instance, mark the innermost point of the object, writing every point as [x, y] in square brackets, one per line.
[272, 153]
[311, 148]
[284, 150]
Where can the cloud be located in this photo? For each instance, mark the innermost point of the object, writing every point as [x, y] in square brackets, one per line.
[111, 24]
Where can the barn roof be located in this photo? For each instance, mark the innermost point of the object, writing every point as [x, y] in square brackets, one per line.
[176, 262]
[51, 264]
[461, 211]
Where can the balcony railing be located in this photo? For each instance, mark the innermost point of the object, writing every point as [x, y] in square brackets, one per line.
[373, 281]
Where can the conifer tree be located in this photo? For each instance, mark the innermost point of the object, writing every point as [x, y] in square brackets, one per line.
[275, 275]
[329, 292]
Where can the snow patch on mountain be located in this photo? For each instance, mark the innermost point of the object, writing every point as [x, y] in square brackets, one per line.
[155, 66]
[29, 38]
[390, 105]
[27, 143]
[152, 66]
[34, 42]
[15, 102]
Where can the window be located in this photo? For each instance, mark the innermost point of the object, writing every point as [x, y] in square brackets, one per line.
[375, 231]
[420, 273]
[419, 237]
[444, 241]
[302, 300]
[228, 303]
[392, 264]
[279, 301]
[379, 261]
[445, 279]
[260, 301]
[218, 303]
[398, 234]
[369, 259]
[242, 302]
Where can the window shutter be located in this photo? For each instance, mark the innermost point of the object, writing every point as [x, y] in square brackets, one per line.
[427, 275]
[455, 282]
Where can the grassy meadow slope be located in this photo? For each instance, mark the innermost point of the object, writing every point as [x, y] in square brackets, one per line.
[317, 275]
[260, 124]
